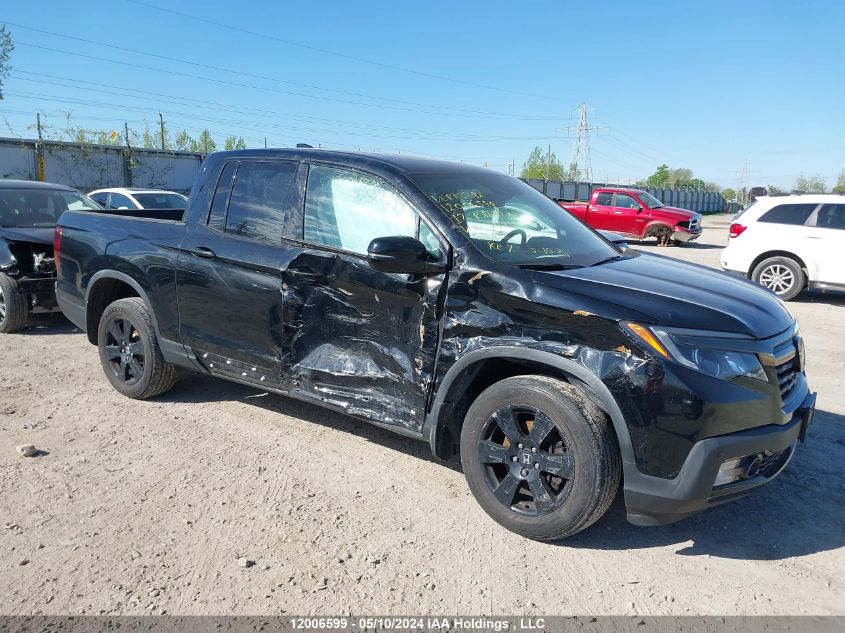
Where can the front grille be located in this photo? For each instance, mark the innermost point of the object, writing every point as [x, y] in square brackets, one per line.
[787, 376]
[694, 223]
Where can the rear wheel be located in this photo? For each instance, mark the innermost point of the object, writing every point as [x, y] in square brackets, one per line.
[14, 309]
[782, 275]
[540, 457]
[130, 353]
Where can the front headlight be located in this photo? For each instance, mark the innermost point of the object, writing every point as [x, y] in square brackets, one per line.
[719, 363]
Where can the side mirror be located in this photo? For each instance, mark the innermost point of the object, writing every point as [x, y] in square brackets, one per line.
[401, 254]
[639, 208]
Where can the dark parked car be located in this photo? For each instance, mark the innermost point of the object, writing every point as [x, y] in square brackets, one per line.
[28, 214]
[557, 364]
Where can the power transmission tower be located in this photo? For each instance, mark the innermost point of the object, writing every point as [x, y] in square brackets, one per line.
[580, 164]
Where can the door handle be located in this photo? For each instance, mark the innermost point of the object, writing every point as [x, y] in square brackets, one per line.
[308, 275]
[202, 251]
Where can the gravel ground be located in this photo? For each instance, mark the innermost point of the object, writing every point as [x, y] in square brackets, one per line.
[147, 507]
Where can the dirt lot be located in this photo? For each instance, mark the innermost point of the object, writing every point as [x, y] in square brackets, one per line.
[146, 507]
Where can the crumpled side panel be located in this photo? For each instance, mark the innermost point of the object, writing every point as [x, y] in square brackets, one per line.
[359, 340]
[482, 313]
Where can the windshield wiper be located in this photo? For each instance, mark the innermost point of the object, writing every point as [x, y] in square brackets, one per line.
[607, 260]
[541, 266]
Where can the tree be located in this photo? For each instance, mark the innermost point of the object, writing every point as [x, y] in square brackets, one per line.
[149, 139]
[773, 189]
[542, 165]
[6, 48]
[183, 142]
[839, 187]
[678, 177]
[660, 177]
[728, 194]
[234, 143]
[813, 184]
[204, 144]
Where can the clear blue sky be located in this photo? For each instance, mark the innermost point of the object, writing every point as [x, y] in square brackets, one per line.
[703, 85]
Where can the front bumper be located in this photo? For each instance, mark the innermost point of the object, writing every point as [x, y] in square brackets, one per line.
[657, 501]
[41, 291]
[685, 235]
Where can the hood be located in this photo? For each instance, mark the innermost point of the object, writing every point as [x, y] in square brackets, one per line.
[681, 214]
[36, 236]
[677, 294]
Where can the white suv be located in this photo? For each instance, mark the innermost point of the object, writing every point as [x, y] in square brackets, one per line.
[789, 243]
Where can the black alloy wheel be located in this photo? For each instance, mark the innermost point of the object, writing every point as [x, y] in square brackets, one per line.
[529, 468]
[125, 351]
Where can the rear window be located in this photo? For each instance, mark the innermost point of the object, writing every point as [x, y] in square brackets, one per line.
[161, 200]
[831, 216]
[794, 214]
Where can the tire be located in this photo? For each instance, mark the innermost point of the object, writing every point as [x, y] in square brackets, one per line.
[14, 308]
[579, 463]
[663, 234]
[782, 275]
[130, 353]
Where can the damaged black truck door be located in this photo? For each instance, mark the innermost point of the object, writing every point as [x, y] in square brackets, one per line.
[229, 283]
[361, 340]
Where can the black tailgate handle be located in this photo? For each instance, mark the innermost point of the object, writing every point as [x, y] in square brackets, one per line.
[202, 251]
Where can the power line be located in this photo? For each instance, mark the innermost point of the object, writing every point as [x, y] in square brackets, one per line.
[247, 74]
[56, 98]
[334, 53]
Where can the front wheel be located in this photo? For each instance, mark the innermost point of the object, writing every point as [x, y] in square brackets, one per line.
[130, 353]
[540, 457]
[782, 275]
[14, 310]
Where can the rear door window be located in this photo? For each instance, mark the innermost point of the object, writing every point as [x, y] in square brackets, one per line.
[262, 200]
[604, 199]
[217, 215]
[792, 214]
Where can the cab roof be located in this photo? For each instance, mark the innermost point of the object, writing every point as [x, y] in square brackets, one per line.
[394, 162]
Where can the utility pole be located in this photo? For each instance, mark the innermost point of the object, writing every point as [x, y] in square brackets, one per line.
[39, 152]
[265, 142]
[127, 157]
[548, 162]
[580, 164]
[161, 123]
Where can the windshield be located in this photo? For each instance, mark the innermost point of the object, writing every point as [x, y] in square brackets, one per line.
[649, 200]
[161, 200]
[39, 208]
[510, 221]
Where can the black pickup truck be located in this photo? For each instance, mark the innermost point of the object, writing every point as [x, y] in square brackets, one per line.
[458, 306]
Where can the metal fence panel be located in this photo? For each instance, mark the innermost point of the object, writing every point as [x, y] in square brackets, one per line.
[88, 167]
[17, 162]
[84, 168]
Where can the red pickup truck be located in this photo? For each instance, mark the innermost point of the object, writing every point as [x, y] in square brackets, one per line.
[637, 215]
